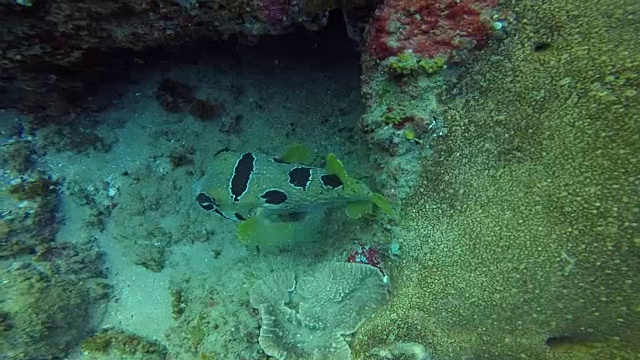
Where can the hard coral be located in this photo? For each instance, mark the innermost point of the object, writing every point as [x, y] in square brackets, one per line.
[522, 238]
[428, 28]
[332, 304]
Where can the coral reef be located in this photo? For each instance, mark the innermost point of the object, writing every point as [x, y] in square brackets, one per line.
[274, 12]
[52, 52]
[329, 305]
[521, 239]
[46, 303]
[408, 63]
[403, 120]
[411, 46]
[48, 286]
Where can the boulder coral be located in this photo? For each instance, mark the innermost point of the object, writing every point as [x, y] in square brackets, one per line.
[521, 240]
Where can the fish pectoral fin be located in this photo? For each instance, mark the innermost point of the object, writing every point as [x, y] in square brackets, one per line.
[357, 209]
[248, 229]
[257, 230]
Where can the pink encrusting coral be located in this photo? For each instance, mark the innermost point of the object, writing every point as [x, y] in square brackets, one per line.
[365, 254]
[429, 28]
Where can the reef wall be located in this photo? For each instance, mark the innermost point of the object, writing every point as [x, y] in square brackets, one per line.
[521, 240]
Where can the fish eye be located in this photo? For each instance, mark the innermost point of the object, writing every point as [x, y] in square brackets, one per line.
[206, 202]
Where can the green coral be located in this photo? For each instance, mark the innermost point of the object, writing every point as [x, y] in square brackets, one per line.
[529, 210]
[405, 63]
[408, 63]
[432, 66]
[391, 118]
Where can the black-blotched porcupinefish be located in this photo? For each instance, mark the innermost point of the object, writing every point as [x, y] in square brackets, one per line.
[267, 193]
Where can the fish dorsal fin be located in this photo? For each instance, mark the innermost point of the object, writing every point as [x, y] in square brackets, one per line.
[335, 167]
[297, 154]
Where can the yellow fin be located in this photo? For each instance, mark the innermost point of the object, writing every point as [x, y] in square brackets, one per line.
[381, 202]
[297, 154]
[259, 231]
[355, 210]
[335, 167]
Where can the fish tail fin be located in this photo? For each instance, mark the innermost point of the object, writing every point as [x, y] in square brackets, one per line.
[248, 229]
[381, 202]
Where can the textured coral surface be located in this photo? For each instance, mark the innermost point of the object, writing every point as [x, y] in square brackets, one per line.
[522, 239]
[429, 28]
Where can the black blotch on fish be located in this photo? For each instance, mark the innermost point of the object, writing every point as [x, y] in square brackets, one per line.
[240, 217]
[300, 177]
[221, 214]
[331, 181]
[241, 175]
[274, 197]
[206, 202]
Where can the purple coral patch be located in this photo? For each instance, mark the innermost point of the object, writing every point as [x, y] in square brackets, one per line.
[274, 11]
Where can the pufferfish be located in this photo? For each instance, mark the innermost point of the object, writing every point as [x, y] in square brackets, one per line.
[271, 197]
